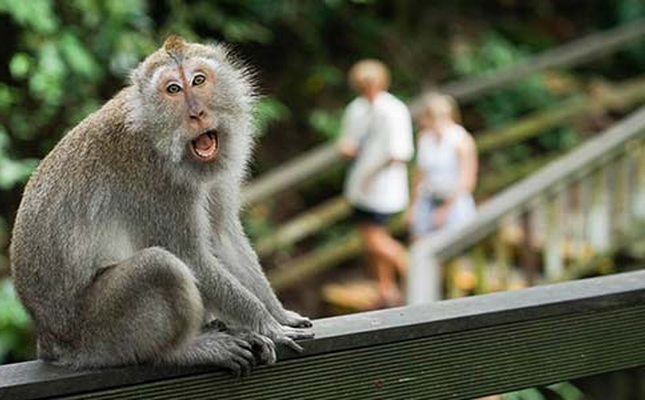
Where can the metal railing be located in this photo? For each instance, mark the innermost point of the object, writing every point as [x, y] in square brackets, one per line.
[454, 349]
[579, 206]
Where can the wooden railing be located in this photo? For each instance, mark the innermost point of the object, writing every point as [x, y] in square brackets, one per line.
[575, 209]
[324, 215]
[614, 97]
[621, 98]
[311, 163]
[454, 349]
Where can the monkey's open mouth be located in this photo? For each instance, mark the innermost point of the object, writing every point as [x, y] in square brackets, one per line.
[205, 146]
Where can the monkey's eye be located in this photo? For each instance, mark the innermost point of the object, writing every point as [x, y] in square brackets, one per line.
[199, 79]
[173, 88]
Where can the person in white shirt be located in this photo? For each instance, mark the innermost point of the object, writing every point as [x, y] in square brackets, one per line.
[376, 133]
[446, 170]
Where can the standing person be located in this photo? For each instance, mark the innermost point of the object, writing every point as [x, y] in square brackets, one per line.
[446, 170]
[377, 134]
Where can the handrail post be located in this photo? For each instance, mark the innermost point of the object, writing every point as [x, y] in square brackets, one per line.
[599, 224]
[638, 204]
[553, 247]
[424, 281]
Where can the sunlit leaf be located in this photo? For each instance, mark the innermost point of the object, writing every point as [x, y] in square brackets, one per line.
[78, 58]
[20, 65]
[268, 111]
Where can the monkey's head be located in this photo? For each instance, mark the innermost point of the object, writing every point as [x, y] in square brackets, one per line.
[193, 105]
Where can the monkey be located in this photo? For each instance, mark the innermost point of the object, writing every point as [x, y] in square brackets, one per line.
[127, 242]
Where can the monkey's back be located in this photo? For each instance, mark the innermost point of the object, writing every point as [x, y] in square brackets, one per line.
[52, 248]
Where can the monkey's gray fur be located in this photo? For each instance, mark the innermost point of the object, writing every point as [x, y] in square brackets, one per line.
[127, 243]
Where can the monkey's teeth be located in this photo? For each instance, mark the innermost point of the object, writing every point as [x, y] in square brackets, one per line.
[205, 146]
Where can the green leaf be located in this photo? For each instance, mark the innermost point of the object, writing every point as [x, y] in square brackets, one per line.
[13, 172]
[269, 110]
[20, 65]
[326, 122]
[47, 82]
[77, 57]
[568, 391]
[526, 394]
[34, 14]
[7, 98]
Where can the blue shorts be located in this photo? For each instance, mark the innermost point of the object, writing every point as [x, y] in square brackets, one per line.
[362, 215]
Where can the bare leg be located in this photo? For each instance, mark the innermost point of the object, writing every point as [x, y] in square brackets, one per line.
[382, 261]
[378, 240]
[386, 276]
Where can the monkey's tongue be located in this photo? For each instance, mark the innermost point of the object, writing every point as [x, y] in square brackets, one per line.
[205, 145]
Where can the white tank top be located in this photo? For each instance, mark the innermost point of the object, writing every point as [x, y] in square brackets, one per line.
[438, 160]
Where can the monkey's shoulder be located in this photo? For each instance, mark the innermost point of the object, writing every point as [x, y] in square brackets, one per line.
[93, 138]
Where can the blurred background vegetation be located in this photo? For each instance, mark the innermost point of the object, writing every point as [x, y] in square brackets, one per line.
[60, 60]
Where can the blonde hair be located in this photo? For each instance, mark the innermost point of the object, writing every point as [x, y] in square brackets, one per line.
[436, 106]
[369, 73]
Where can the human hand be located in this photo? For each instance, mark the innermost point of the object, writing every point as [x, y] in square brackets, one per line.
[365, 183]
[440, 215]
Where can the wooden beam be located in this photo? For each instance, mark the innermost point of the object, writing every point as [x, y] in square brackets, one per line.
[457, 349]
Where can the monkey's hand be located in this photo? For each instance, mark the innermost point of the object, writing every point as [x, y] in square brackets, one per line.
[293, 319]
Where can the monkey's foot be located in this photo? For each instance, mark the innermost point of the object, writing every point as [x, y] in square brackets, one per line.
[218, 349]
[294, 320]
[263, 347]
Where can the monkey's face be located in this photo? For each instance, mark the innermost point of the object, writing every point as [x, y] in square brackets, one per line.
[198, 108]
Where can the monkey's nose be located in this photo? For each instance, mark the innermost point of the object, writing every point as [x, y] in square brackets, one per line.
[197, 114]
[199, 119]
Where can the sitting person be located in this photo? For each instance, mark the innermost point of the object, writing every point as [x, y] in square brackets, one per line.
[446, 168]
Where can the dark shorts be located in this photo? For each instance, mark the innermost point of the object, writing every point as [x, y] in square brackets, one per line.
[361, 215]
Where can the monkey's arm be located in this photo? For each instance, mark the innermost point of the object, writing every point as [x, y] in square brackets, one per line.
[232, 246]
[242, 260]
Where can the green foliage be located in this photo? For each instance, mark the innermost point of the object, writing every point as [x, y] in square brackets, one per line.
[560, 391]
[269, 111]
[503, 106]
[326, 123]
[16, 331]
[36, 15]
[12, 171]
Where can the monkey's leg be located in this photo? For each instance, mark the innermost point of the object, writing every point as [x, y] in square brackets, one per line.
[148, 309]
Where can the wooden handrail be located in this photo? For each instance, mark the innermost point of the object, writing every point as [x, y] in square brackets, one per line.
[428, 253]
[318, 159]
[457, 349]
[552, 178]
[615, 97]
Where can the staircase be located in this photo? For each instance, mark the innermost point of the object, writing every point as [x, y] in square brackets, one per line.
[518, 246]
